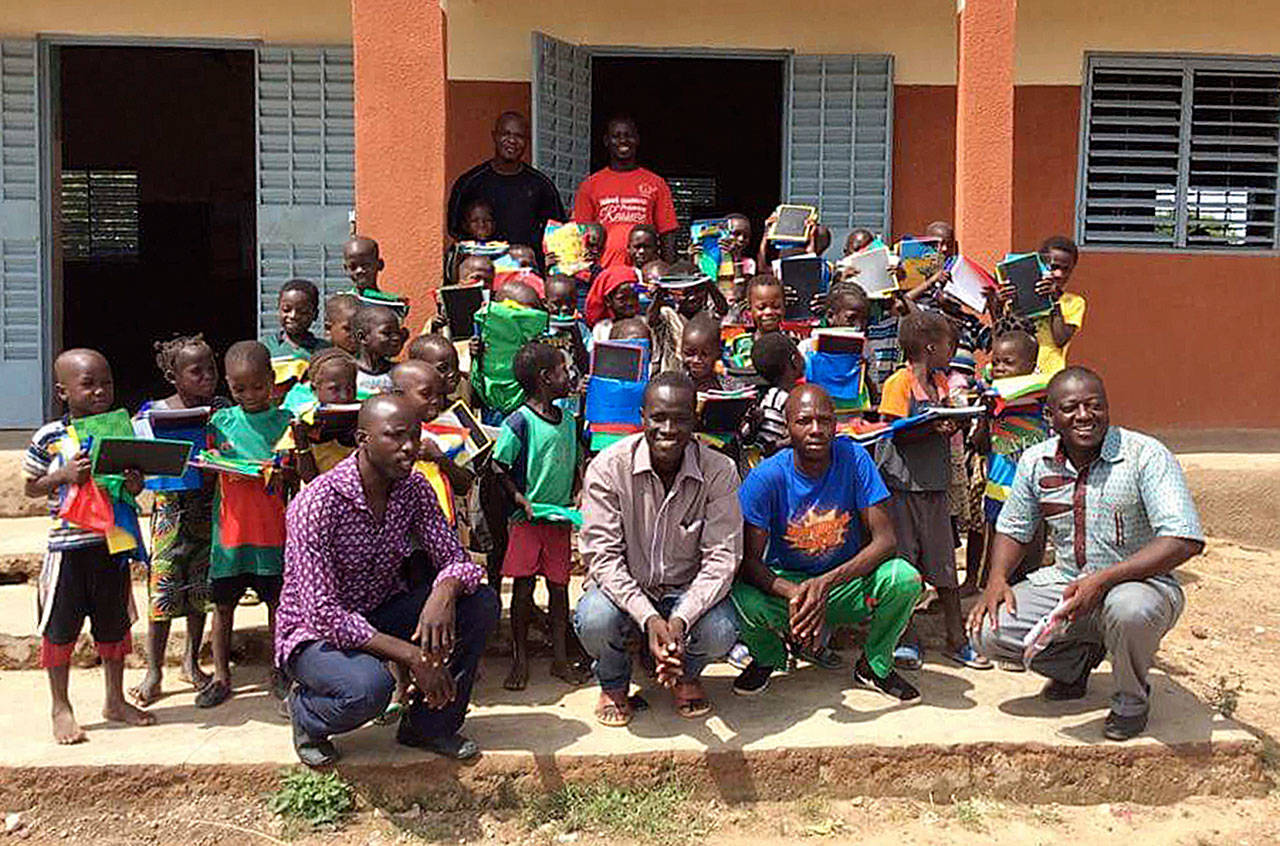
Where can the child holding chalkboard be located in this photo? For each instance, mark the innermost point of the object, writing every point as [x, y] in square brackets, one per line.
[247, 548]
[80, 576]
[536, 460]
[181, 524]
[1055, 330]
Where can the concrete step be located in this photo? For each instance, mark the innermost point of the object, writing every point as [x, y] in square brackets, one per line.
[811, 734]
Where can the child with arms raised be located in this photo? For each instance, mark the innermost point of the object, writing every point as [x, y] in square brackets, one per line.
[536, 458]
[248, 513]
[916, 466]
[80, 576]
[181, 525]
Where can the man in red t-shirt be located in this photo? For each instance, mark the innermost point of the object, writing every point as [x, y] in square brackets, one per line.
[624, 194]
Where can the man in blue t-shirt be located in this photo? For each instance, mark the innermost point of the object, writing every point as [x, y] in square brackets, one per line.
[805, 562]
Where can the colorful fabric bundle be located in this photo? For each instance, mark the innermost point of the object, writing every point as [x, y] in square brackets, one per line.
[289, 368]
[504, 328]
[843, 376]
[1017, 391]
[85, 507]
[440, 484]
[546, 513]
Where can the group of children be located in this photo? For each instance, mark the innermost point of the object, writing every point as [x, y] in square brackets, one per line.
[221, 537]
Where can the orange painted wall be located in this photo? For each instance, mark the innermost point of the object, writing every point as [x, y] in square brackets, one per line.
[400, 141]
[924, 156]
[1173, 356]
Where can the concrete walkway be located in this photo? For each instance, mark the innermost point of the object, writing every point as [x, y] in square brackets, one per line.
[974, 732]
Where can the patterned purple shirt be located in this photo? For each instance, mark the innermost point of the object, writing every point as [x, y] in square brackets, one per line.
[340, 563]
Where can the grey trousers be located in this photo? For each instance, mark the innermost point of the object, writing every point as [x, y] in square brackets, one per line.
[1128, 625]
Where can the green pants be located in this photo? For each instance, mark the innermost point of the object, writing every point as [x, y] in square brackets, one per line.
[886, 596]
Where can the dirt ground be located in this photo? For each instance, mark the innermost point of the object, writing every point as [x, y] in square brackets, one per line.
[1224, 649]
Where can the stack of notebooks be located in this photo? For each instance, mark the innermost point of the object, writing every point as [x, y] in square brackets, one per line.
[868, 433]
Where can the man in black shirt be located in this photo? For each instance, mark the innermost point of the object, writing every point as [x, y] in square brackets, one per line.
[522, 197]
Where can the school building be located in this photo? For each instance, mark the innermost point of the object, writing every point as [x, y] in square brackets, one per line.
[164, 166]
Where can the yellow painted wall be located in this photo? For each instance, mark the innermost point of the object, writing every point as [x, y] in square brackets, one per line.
[1053, 36]
[280, 21]
[490, 39]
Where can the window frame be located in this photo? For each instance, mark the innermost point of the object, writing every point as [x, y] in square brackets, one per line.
[1188, 63]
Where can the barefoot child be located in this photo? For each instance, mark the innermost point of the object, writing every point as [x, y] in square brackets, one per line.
[536, 459]
[380, 337]
[916, 466]
[248, 513]
[80, 577]
[181, 526]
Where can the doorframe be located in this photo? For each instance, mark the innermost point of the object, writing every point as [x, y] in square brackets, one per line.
[48, 107]
[742, 53]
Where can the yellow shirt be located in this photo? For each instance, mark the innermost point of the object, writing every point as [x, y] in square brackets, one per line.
[1053, 357]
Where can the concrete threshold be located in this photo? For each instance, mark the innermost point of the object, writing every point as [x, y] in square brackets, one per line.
[810, 733]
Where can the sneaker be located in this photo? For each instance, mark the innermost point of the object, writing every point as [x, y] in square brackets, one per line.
[739, 657]
[753, 681]
[892, 685]
[1116, 727]
[967, 656]
[907, 657]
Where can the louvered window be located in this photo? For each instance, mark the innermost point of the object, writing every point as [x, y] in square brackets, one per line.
[1180, 153]
[99, 214]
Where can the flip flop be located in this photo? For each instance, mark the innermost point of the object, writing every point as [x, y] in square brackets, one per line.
[613, 714]
[389, 716]
[908, 657]
[213, 694]
[691, 707]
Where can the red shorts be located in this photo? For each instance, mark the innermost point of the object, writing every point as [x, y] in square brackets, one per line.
[538, 549]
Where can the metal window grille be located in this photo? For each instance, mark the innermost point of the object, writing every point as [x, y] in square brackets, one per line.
[99, 214]
[561, 113]
[1180, 153]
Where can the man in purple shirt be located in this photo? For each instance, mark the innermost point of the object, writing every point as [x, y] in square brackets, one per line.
[346, 608]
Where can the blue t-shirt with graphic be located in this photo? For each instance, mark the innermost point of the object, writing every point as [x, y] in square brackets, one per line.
[814, 525]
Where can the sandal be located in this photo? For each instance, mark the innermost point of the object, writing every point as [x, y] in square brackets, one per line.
[967, 656]
[908, 657]
[213, 694]
[612, 713]
[691, 707]
[389, 716]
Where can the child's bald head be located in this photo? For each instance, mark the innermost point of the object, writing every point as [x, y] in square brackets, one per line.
[517, 291]
[84, 382]
[475, 270]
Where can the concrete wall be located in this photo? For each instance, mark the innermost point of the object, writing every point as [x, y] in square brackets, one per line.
[290, 21]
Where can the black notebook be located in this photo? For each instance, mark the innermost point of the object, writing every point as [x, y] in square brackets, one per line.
[154, 457]
[1024, 272]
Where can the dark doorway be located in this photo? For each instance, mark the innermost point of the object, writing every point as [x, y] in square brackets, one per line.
[702, 122]
[157, 187]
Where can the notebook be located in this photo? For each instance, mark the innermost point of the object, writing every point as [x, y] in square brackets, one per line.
[919, 258]
[969, 284]
[873, 271]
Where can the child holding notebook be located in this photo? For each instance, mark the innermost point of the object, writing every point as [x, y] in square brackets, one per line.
[362, 260]
[248, 513]
[536, 461]
[80, 577]
[181, 523]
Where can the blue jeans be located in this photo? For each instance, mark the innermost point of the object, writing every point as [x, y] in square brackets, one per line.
[604, 629]
[340, 690]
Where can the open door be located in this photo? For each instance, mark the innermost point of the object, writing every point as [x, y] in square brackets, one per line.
[561, 113]
[839, 131]
[21, 288]
[306, 170]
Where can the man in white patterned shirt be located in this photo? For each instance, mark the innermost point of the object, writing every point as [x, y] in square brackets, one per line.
[1121, 519]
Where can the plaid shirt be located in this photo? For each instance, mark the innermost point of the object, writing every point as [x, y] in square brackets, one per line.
[1133, 493]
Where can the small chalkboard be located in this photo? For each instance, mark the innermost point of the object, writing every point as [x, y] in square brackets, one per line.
[791, 223]
[480, 438]
[152, 457]
[178, 418]
[806, 276]
[461, 302]
[1024, 272]
[722, 415]
[336, 421]
[617, 360]
[838, 339]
